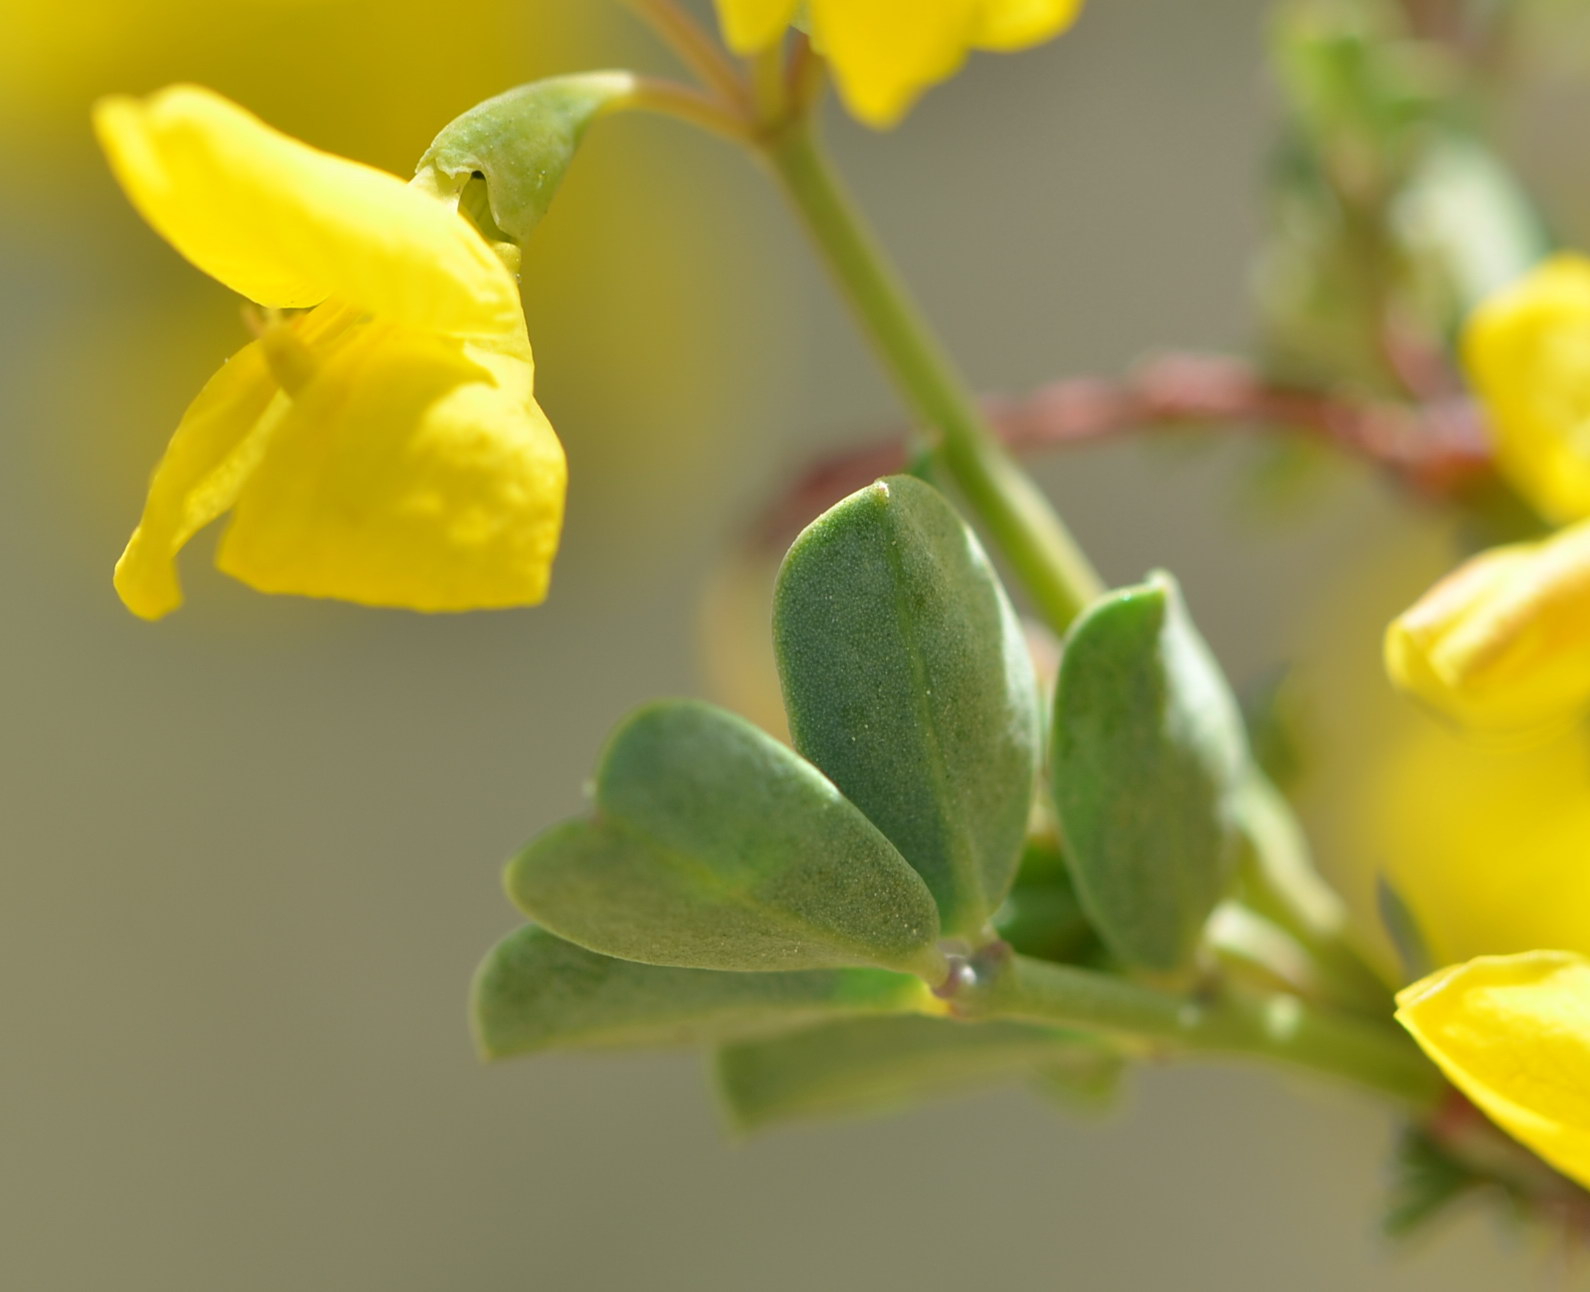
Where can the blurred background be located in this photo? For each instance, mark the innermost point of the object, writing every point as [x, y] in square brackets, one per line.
[251, 853]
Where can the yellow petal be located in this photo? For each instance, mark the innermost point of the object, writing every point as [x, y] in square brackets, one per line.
[884, 53]
[1485, 839]
[1513, 1034]
[204, 467]
[288, 225]
[413, 471]
[752, 25]
[1528, 355]
[1018, 24]
[1503, 642]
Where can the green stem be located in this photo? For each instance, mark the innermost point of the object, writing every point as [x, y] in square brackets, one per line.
[1032, 537]
[1280, 1029]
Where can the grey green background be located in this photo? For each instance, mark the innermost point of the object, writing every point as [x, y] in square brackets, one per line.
[249, 857]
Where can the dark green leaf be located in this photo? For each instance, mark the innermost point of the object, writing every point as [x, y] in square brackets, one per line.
[1403, 928]
[872, 1065]
[535, 991]
[1149, 762]
[1427, 1180]
[907, 681]
[523, 141]
[715, 847]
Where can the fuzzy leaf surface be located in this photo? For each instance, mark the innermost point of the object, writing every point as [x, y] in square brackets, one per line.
[715, 847]
[537, 992]
[907, 680]
[1148, 766]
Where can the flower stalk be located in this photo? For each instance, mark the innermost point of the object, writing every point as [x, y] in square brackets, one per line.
[1057, 575]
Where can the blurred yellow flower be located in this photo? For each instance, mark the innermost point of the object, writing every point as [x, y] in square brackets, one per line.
[1504, 641]
[885, 53]
[1528, 355]
[1513, 1033]
[384, 447]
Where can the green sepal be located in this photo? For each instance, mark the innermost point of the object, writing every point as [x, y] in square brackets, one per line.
[523, 141]
[872, 1065]
[715, 847]
[537, 992]
[1148, 766]
[907, 680]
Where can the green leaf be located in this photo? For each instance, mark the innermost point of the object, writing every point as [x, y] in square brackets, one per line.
[873, 1065]
[1426, 1181]
[1403, 928]
[535, 992]
[1149, 763]
[523, 142]
[1085, 1079]
[907, 681]
[1043, 916]
[715, 847]
[1465, 208]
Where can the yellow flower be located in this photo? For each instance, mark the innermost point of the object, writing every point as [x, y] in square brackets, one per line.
[1504, 641]
[885, 53]
[1513, 1033]
[384, 447]
[1528, 355]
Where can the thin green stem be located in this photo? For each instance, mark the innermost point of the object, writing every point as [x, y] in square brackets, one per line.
[696, 49]
[687, 103]
[1051, 566]
[1279, 1029]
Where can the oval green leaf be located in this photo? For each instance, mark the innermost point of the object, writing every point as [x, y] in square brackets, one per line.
[537, 992]
[715, 847]
[872, 1065]
[1149, 763]
[907, 680]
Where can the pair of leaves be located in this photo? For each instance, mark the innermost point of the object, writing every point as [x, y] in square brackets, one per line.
[799, 1044]
[914, 709]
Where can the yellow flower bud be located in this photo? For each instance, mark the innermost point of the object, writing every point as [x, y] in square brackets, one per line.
[885, 53]
[1502, 643]
[384, 447]
[1513, 1034]
[1528, 355]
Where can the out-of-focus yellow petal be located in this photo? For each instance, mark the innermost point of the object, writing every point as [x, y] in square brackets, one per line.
[204, 467]
[1485, 839]
[1528, 355]
[1513, 1033]
[753, 25]
[288, 225]
[884, 53]
[1017, 24]
[413, 471]
[1503, 642]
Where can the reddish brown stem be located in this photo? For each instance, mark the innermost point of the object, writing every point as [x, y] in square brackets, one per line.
[1436, 449]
